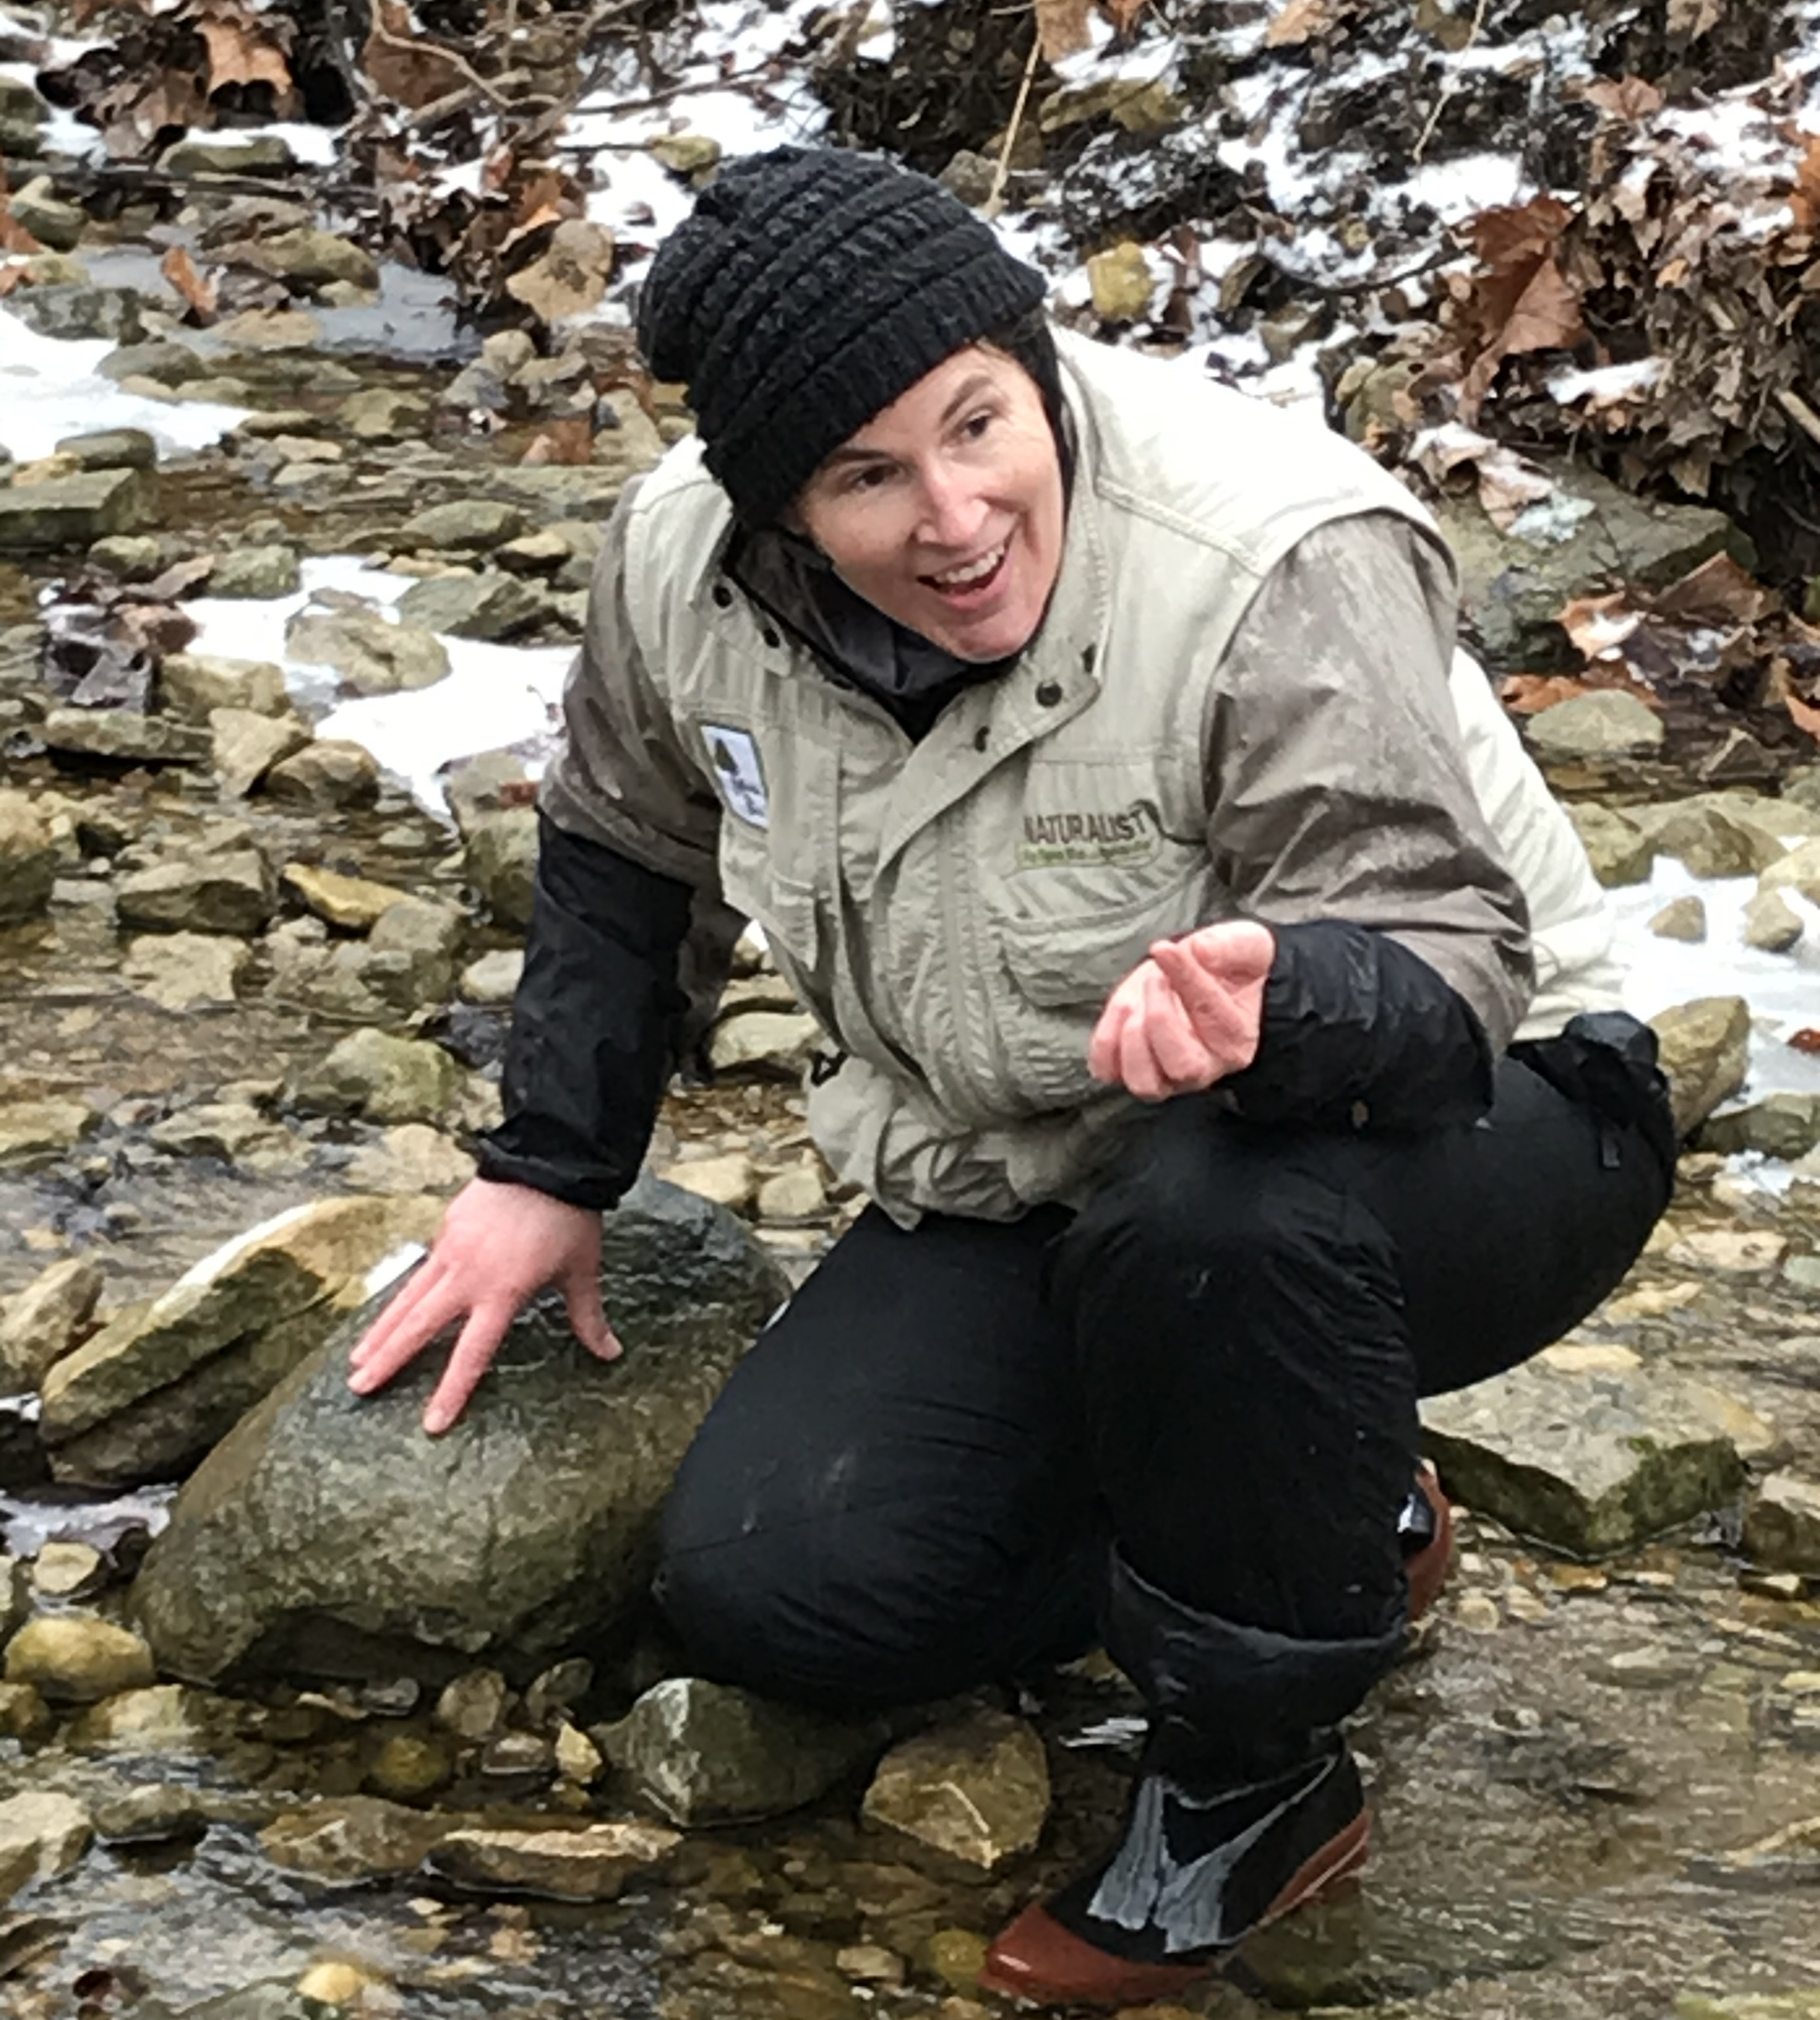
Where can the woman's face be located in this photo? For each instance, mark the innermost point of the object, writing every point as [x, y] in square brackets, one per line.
[946, 511]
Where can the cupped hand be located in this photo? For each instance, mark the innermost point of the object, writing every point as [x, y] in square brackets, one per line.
[500, 1244]
[1187, 1015]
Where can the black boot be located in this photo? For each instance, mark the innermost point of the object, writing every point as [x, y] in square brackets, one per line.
[1247, 1805]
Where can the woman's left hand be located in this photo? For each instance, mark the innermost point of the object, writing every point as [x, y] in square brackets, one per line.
[1187, 1015]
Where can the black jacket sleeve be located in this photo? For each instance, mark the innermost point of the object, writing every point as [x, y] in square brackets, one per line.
[594, 1023]
[1359, 1032]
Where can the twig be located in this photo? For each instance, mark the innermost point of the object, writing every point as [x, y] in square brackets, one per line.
[1447, 90]
[461, 66]
[996, 196]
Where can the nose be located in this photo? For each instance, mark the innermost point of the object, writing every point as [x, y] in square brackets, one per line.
[954, 507]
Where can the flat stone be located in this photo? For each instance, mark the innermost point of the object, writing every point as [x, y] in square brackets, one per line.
[1782, 1524]
[387, 1079]
[1681, 919]
[473, 1706]
[41, 1323]
[798, 1195]
[331, 773]
[779, 1044]
[465, 525]
[494, 978]
[313, 257]
[68, 1571]
[203, 157]
[77, 1658]
[1798, 870]
[373, 654]
[54, 1827]
[195, 684]
[591, 1863]
[729, 1181]
[36, 1132]
[1754, 1251]
[704, 1754]
[186, 971]
[381, 415]
[29, 857]
[245, 746]
[357, 903]
[1709, 839]
[1619, 851]
[1591, 1458]
[1602, 724]
[259, 572]
[976, 1792]
[233, 1131]
[156, 1813]
[128, 557]
[75, 311]
[123, 735]
[161, 1718]
[73, 511]
[491, 605]
[231, 892]
[501, 863]
[112, 448]
[1705, 1050]
[350, 1842]
[412, 1158]
[167, 362]
[1772, 925]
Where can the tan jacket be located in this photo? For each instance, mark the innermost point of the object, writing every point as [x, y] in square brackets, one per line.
[1245, 699]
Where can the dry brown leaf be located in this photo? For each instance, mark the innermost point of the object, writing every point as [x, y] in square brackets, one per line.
[1599, 626]
[240, 51]
[1529, 694]
[403, 63]
[1718, 592]
[568, 440]
[572, 275]
[1547, 314]
[14, 238]
[180, 270]
[1804, 198]
[1062, 27]
[1632, 98]
[1122, 13]
[1300, 22]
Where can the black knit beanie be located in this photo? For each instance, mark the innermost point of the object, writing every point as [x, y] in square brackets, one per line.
[811, 287]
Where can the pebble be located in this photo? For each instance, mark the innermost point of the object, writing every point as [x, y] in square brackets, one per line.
[473, 1706]
[334, 1984]
[68, 1571]
[976, 1791]
[729, 1181]
[77, 1658]
[1478, 1613]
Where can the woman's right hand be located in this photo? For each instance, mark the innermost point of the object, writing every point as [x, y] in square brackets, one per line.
[500, 1244]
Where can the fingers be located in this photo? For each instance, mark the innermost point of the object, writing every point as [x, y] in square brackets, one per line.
[1182, 1059]
[472, 1356]
[413, 1319]
[1103, 1047]
[1206, 1000]
[586, 1316]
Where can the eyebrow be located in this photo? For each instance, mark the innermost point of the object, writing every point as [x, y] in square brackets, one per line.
[970, 389]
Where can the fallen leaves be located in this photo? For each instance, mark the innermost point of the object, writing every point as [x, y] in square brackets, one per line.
[1064, 27]
[1521, 300]
[199, 295]
[571, 276]
[1301, 21]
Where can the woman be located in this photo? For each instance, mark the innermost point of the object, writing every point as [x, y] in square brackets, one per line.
[1225, 1027]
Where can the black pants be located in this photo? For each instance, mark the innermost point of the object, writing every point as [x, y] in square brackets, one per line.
[910, 1485]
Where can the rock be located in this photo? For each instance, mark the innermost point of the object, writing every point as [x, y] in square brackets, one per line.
[202, 157]
[493, 979]
[227, 893]
[123, 735]
[1801, 2005]
[412, 1158]
[1798, 870]
[164, 1719]
[779, 1044]
[407, 1767]
[380, 416]
[350, 1842]
[77, 1658]
[1705, 1050]
[73, 511]
[155, 1813]
[28, 859]
[53, 1829]
[684, 154]
[1514, 585]
[387, 1079]
[1598, 724]
[246, 746]
[336, 1984]
[1619, 851]
[571, 276]
[23, 1715]
[1121, 283]
[327, 1531]
[467, 526]
[255, 572]
[355, 903]
[186, 971]
[798, 1194]
[128, 558]
[195, 684]
[1680, 919]
[33, 1133]
[501, 863]
[1772, 925]
[50, 221]
[1708, 840]
[167, 362]
[473, 1706]
[704, 1754]
[976, 1792]
[1586, 1451]
[162, 1381]
[729, 1181]
[577, 1758]
[113, 448]
[68, 1571]
[74, 311]
[1782, 1524]
[591, 1862]
[1780, 1125]
[313, 257]
[331, 773]
[44, 1320]
[233, 1131]
[372, 655]
[492, 605]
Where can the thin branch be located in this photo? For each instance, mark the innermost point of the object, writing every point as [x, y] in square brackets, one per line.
[1447, 90]
[996, 196]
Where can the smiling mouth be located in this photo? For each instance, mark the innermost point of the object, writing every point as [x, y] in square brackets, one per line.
[972, 576]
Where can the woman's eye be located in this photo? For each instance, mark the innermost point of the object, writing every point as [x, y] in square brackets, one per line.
[975, 426]
[868, 479]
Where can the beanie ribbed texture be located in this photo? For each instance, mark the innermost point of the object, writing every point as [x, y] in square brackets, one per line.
[810, 288]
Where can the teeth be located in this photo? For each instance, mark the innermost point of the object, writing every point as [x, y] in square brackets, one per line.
[975, 571]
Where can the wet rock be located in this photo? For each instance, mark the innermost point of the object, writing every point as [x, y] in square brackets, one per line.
[729, 1181]
[255, 572]
[684, 154]
[1619, 851]
[1598, 724]
[490, 605]
[77, 1658]
[186, 971]
[798, 1195]
[164, 1719]
[1781, 1525]
[494, 978]
[28, 859]
[1709, 839]
[1772, 925]
[1798, 870]
[501, 863]
[1680, 919]
[1705, 1050]
[23, 1715]
[578, 1758]
[407, 1767]
[372, 655]
[313, 257]
[123, 735]
[976, 1792]
[390, 1079]
[1121, 283]
[357, 903]
[592, 1862]
[34, 1133]
[73, 311]
[53, 1829]
[156, 1813]
[113, 448]
[162, 1381]
[245, 746]
[780, 1044]
[330, 774]
[704, 1754]
[231, 892]
[165, 362]
[349, 1843]
[1586, 1451]
[233, 1131]
[254, 155]
[1780, 1125]
[1515, 584]
[195, 684]
[465, 525]
[44, 1320]
[329, 1529]
[50, 221]
[412, 1158]
[381, 415]
[128, 557]
[73, 511]
[473, 1706]
[63, 1571]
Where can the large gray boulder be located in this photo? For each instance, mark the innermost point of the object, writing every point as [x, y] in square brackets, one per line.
[328, 1535]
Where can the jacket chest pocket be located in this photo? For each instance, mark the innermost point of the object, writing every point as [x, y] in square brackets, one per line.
[778, 897]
